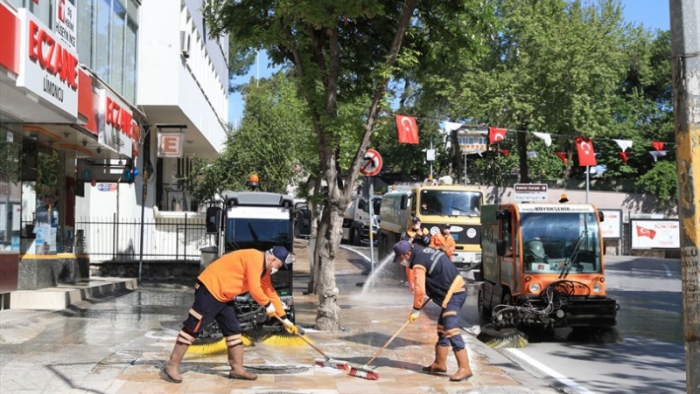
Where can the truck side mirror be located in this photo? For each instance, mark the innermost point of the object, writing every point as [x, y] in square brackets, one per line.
[404, 202]
[601, 217]
[501, 248]
[213, 220]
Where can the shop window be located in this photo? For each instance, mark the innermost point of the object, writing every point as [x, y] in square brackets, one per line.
[10, 186]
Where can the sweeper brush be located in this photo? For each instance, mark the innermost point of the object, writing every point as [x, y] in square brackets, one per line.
[509, 337]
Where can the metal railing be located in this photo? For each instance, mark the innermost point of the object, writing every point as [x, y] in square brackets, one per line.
[119, 238]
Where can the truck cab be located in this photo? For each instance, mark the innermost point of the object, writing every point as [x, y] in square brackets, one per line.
[256, 220]
[357, 223]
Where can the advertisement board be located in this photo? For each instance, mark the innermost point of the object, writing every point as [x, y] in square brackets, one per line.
[611, 227]
[655, 234]
[115, 124]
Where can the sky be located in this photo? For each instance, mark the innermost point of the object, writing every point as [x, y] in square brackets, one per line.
[653, 14]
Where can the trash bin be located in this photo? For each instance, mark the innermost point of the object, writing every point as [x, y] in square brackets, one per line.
[209, 254]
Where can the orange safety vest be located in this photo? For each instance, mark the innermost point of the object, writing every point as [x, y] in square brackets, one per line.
[446, 242]
[238, 272]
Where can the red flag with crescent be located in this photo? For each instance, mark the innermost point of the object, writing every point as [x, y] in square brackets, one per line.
[645, 232]
[407, 129]
[496, 135]
[586, 154]
[623, 156]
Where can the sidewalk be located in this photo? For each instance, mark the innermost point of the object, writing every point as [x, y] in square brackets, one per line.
[368, 322]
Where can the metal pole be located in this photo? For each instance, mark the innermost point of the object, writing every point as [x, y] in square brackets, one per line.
[685, 58]
[431, 162]
[466, 179]
[588, 181]
[144, 195]
[371, 222]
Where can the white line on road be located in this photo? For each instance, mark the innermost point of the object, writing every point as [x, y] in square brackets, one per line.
[556, 375]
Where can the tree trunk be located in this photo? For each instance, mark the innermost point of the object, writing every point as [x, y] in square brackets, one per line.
[338, 198]
[522, 152]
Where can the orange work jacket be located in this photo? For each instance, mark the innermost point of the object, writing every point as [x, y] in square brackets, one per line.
[444, 243]
[238, 272]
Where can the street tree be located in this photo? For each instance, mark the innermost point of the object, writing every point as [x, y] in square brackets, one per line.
[341, 52]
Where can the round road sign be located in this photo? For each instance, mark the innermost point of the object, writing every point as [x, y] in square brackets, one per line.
[372, 163]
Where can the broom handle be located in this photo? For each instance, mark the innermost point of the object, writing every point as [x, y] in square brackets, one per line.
[392, 338]
[305, 340]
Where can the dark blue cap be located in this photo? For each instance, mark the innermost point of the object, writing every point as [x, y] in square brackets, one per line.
[281, 253]
[400, 249]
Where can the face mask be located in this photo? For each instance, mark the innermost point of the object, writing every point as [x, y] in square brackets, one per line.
[273, 270]
[404, 263]
[416, 226]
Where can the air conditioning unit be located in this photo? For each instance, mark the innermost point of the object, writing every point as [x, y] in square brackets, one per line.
[184, 43]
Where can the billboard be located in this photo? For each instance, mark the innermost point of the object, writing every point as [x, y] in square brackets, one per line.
[611, 226]
[655, 234]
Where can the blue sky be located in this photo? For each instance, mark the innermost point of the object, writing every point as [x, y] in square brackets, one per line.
[653, 14]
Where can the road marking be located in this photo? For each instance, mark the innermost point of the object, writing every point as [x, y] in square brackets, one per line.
[556, 375]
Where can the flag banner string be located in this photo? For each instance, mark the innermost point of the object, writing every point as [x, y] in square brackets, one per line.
[538, 134]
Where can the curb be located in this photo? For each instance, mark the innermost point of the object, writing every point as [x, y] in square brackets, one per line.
[57, 298]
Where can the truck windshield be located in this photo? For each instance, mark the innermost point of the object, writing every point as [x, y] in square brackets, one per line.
[450, 203]
[549, 239]
[261, 234]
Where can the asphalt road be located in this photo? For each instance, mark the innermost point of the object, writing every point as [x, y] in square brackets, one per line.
[649, 358]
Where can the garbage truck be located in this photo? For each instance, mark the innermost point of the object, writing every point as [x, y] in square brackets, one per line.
[254, 220]
[543, 267]
[357, 222]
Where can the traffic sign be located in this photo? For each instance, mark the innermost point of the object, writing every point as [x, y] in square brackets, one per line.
[531, 192]
[372, 163]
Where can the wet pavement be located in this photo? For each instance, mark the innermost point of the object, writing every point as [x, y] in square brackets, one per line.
[118, 343]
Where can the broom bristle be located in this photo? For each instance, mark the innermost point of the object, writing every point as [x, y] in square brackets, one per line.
[330, 363]
[215, 347]
[514, 340]
[364, 373]
[285, 339]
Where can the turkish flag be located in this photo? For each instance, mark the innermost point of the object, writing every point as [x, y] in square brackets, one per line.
[505, 152]
[586, 154]
[562, 156]
[407, 129]
[645, 232]
[623, 156]
[658, 145]
[496, 135]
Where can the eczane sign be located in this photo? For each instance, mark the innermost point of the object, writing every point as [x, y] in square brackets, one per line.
[114, 128]
[48, 68]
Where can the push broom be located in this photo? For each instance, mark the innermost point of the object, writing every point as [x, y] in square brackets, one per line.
[326, 361]
[370, 373]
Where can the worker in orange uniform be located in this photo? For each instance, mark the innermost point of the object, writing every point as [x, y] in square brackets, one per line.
[444, 241]
[233, 274]
[415, 232]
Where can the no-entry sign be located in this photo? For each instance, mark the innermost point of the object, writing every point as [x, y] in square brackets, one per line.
[372, 163]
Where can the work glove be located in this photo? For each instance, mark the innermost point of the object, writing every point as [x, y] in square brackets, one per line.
[290, 327]
[270, 309]
[413, 316]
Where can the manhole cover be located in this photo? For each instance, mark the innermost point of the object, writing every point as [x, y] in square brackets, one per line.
[277, 369]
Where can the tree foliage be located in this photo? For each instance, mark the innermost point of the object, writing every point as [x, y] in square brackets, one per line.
[274, 141]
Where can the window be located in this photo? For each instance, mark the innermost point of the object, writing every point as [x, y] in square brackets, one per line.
[101, 65]
[470, 140]
[117, 47]
[107, 42]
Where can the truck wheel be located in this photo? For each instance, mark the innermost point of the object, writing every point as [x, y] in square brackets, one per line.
[484, 313]
[355, 238]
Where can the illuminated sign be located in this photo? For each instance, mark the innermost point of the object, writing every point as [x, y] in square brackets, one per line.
[48, 68]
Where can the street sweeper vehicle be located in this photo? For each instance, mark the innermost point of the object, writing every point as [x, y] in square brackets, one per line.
[543, 267]
[253, 220]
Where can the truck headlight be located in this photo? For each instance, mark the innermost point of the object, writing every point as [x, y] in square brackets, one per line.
[597, 288]
[534, 287]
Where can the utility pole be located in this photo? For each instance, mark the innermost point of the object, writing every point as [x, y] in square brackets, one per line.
[685, 59]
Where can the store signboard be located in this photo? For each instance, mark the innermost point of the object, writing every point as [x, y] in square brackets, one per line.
[611, 226]
[115, 124]
[655, 234]
[66, 23]
[48, 67]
